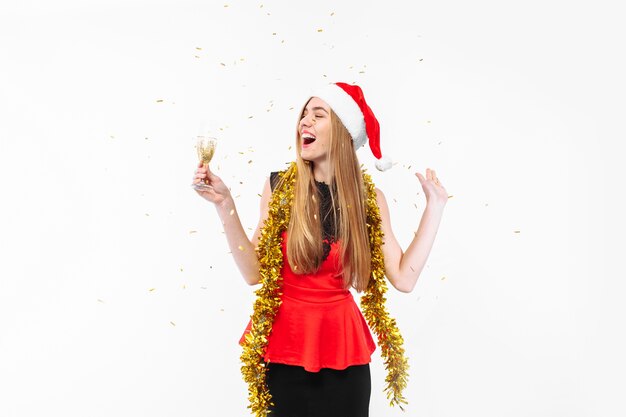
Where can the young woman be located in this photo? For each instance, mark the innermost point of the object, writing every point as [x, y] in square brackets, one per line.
[324, 228]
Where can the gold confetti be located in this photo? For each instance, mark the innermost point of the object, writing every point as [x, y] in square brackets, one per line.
[332, 14]
[320, 30]
[152, 289]
[409, 167]
[240, 247]
[516, 231]
[290, 108]
[250, 161]
[172, 323]
[198, 48]
[222, 64]
[274, 33]
[226, 5]
[250, 117]
[146, 214]
[184, 286]
[159, 101]
[259, 195]
[442, 278]
[196, 56]
[100, 301]
[232, 211]
[181, 269]
[192, 231]
[289, 147]
[395, 201]
[315, 216]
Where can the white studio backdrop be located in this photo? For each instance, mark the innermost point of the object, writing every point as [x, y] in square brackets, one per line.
[118, 296]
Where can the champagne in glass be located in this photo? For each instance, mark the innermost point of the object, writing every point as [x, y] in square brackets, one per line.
[205, 146]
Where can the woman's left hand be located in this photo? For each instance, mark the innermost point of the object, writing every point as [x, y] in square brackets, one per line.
[435, 192]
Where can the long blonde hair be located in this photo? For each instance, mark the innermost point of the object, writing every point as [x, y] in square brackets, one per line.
[305, 250]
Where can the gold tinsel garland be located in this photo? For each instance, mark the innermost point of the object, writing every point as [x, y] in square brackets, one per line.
[268, 299]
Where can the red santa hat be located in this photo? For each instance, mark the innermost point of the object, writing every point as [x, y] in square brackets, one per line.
[348, 102]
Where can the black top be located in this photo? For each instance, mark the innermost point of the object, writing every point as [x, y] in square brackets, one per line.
[326, 215]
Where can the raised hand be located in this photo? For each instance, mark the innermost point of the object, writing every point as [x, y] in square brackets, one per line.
[434, 191]
[217, 192]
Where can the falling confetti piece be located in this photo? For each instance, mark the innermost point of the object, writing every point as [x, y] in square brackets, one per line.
[395, 201]
[240, 247]
[332, 14]
[250, 161]
[261, 6]
[259, 195]
[196, 56]
[152, 289]
[320, 30]
[516, 231]
[222, 64]
[427, 121]
[421, 59]
[184, 287]
[204, 288]
[192, 231]
[442, 278]
[412, 269]
[146, 214]
[289, 148]
[290, 108]
[315, 216]
[274, 33]
[172, 323]
[181, 269]
[100, 301]
[226, 5]
[159, 101]
[409, 167]
[232, 211]
[361, 72]
[250, 117]
[238, 195]
[198, 48]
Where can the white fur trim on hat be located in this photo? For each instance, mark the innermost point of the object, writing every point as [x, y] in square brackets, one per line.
[347, 110]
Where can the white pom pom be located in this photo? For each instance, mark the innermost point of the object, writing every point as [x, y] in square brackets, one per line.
[384, 163]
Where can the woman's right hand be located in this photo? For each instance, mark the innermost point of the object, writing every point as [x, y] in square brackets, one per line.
[219, 191]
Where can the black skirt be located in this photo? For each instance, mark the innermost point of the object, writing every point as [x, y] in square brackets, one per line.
[327, 393]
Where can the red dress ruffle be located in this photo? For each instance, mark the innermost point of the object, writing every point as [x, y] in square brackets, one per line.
[318, 324]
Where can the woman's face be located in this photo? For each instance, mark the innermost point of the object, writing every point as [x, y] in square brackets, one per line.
[315, 130]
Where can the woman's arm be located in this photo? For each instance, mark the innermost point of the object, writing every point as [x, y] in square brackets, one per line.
[403, 268]
[242, 249]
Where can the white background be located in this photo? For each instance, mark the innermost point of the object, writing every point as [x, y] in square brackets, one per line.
[117, 293]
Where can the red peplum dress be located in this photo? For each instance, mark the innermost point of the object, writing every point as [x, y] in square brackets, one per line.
[318, 324]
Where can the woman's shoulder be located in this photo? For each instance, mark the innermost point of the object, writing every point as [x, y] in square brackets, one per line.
[275, 177]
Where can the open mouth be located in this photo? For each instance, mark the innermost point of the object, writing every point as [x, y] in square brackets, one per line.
[308, 141]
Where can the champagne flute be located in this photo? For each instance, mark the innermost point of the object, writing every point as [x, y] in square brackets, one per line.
[205, 147]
